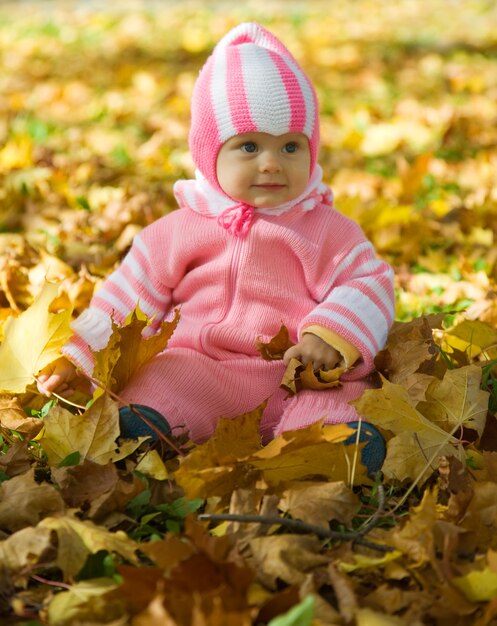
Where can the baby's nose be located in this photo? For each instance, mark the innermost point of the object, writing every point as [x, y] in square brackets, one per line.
[270, 162]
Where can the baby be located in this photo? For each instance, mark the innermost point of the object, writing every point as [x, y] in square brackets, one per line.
[256, 243]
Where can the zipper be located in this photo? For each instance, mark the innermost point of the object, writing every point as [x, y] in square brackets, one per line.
[234, 266]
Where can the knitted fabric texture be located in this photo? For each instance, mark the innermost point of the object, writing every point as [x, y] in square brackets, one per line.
[250, 83]
[301, 268]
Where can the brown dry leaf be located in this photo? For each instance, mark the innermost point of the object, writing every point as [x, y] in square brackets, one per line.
[78, 539]
[416, 386]
[168, 552]
[155, 614]
[92, 434]
[319, 503]
[286, 557]
[410, 345]
[251, 502]
[298, 377]
[217, 467]
[455, 479]
[17, 460]
[127, 350]
[99, 490]
[24, 502]
[276, 347]
[25, 548]
[460, 398]
[418, 442]
[344, 590]
[415, 538]
[210, 580]
[309, 452]
[481, 514]
[368, 617]
[13, 417]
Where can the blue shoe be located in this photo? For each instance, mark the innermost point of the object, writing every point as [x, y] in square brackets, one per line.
[374, 452]
[132, 425]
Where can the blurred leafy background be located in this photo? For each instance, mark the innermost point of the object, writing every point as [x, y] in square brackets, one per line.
[94, 112]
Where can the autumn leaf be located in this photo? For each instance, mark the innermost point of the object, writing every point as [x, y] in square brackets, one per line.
[418, 442]
[32, 341]
[368, 617]
[460, 398]
[471, 336]
[77, 539]
[410, 347]
[24, 502]
[318, 502]
[300, 615]
[298, 376]
[127, 350]
[93, 434]
[233, 457]
[84, 601]
[416, 538]
[25, 548]
[13, 417]
[276, 347]
[478, 585]
[286, 557]
[314, 450]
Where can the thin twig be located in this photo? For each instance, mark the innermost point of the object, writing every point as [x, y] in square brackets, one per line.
[303, 527]
[52, 583]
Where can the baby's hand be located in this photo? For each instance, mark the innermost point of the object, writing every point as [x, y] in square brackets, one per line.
[313, 349]
[60, 377]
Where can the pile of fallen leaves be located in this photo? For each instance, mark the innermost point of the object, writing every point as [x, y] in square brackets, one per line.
[95, 529]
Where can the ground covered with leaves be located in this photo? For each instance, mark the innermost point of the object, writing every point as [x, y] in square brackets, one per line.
[94, 109]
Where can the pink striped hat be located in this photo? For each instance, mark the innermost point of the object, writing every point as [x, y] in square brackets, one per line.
[250, 83]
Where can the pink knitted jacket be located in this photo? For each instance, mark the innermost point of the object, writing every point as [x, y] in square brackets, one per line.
[300, 268]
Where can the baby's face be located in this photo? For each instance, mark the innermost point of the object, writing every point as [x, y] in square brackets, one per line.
[263, 170]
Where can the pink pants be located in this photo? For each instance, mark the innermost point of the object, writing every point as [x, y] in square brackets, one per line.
[193, 391]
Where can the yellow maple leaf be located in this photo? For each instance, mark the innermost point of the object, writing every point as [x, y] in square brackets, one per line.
[32, 341]
[478, 586]
[77, 539]
[92, 434]
[233, 458]
[417, 443]
[459, 397]
[127, 350]
[85, 601]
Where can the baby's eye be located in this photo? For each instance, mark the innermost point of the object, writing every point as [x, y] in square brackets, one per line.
[249, 146]
[290, 147]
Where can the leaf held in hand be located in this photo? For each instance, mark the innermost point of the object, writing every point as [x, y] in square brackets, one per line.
[298, 377]
[276, 347]
[32, 341]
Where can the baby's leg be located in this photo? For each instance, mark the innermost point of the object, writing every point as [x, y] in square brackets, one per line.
[193, 391]
[333, 405]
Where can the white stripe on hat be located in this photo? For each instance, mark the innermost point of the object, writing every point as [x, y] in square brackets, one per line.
[306, 91]
[219, 98]
[259, 83]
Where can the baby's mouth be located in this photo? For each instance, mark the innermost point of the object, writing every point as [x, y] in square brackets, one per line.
[273, 186]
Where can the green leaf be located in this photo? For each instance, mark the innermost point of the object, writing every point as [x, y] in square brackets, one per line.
[71, 459]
